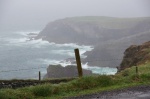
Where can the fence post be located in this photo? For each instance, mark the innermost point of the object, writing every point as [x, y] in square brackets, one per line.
[78, 61]
[39, 76]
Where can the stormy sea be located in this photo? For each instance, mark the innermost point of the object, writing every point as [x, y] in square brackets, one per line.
[22, 57]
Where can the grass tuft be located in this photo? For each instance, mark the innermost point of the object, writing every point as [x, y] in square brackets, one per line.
[42, 90]
[104, 81]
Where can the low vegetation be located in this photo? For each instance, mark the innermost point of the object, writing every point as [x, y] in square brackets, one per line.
[80, 86]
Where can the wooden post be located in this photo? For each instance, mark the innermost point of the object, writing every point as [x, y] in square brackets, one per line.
[78, 61]
[39, 76]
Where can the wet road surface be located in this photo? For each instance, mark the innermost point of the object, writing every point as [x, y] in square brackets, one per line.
[140, 92]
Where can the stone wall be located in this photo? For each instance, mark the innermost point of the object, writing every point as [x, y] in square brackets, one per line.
[24, 83]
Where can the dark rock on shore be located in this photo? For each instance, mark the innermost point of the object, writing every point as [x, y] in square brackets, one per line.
[57, 71]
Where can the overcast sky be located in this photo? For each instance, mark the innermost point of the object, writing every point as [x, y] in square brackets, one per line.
[40, 12]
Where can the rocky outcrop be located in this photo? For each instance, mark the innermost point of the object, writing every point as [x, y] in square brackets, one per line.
[57, 71]
[136, 55]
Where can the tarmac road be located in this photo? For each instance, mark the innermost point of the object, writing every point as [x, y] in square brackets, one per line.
[140, 92]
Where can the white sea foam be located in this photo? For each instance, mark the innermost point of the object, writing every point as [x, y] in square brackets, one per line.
[55, 62]
[63, 52]
[17, 41]
[38, 43]
[100, 70]
[25, 41]
[65, 63]
[62, 49]
[41, 43]
[20, 38]
[82, 49]
[25, 33]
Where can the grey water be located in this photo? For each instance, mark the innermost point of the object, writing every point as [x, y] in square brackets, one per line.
[22, 58]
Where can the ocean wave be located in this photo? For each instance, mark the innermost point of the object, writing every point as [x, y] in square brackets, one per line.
[25, 33]
[82, 49]
[63, 52]
[24, 40]
[39, 43]
[60, 49]
[16, 40]
[55, 62]
[100, 70]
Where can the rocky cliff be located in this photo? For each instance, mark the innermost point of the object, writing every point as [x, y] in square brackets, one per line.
[110, 36]
[136, 55]
[57, 71]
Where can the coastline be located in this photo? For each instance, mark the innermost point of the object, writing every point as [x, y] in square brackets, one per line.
[94, 69]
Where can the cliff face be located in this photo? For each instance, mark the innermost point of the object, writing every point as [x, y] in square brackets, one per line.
[57, 71]
[136, 55]
[109, 36]
[92, 30]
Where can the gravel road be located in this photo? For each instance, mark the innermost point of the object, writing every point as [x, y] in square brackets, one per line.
[140, 92]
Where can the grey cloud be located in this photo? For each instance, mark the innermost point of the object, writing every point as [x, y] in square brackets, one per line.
[30, 12]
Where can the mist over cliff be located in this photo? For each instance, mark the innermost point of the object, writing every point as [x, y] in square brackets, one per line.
[110, 36]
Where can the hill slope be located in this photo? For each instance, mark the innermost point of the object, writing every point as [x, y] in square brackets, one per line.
[110, 36]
